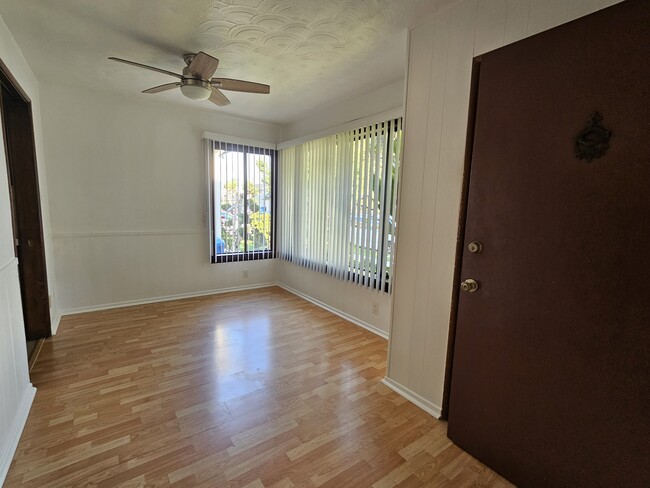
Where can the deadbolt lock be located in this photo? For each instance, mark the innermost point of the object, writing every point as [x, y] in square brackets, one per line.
[469, 285]
[475, 247]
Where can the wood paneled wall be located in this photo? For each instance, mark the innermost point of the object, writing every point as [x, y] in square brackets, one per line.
[16, 392]
[438, 87]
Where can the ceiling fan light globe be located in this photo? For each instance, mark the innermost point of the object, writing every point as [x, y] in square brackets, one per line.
[196, 92]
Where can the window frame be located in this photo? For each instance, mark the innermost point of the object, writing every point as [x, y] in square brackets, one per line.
[246, 255]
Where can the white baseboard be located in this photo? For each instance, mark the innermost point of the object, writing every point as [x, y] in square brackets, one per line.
[335, 311]
[55, 321]
[9, 448]
[166, 298]
[413, 397]
[130, 303]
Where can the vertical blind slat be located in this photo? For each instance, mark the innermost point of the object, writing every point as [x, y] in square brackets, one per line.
[347, 197]
[376, 202]
[356, 201]
[365, 206]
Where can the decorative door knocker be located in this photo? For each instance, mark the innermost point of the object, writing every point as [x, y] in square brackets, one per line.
[592, 142]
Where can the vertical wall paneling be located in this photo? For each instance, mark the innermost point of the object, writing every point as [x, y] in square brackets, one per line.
[430, 184]
[490, 25]
[18, 336]
[517, 13]
[16, 391]
[6, 361]
[438, 85]
[545, 14]
[421, 44]
[452, 151]
[579, 8]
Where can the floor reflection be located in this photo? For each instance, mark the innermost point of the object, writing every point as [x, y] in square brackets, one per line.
[243, 355]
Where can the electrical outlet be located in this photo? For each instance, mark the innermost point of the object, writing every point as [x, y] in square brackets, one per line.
[244, 273]
[375, 308]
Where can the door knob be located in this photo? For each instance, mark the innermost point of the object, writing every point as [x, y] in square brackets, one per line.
[469, 285]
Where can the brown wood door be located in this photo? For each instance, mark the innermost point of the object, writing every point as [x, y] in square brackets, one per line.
[550, 380]
[18, 131]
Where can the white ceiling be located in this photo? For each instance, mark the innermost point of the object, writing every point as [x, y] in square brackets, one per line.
[311, 52]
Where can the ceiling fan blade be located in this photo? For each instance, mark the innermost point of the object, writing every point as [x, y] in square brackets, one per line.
[218, 98]
[240, 85]
[162, 88]
[203, 66]
[139, 65]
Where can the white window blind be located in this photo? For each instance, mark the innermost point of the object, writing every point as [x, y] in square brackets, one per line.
[337, 202]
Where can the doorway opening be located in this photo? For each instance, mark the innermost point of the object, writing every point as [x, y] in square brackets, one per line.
[22, 172]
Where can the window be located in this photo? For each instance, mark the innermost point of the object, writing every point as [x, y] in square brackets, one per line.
[241, 201]
[338, 203]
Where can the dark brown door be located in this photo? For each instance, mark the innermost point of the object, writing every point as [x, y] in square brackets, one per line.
[20, 151]
[551, 366]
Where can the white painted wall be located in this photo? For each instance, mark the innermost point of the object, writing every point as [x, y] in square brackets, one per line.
[16, 391]
[127, 184]
[438, 87]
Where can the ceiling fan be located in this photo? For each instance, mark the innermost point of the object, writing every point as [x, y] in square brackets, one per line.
[196, 82]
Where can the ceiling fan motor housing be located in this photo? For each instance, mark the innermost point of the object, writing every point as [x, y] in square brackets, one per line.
[195, 89]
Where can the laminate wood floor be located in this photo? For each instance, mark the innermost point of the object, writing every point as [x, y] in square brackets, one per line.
[248, 389]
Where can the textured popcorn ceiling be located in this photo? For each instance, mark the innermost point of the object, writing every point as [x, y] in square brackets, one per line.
[311, 52]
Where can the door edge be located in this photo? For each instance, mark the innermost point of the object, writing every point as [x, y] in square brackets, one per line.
[460, 237]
